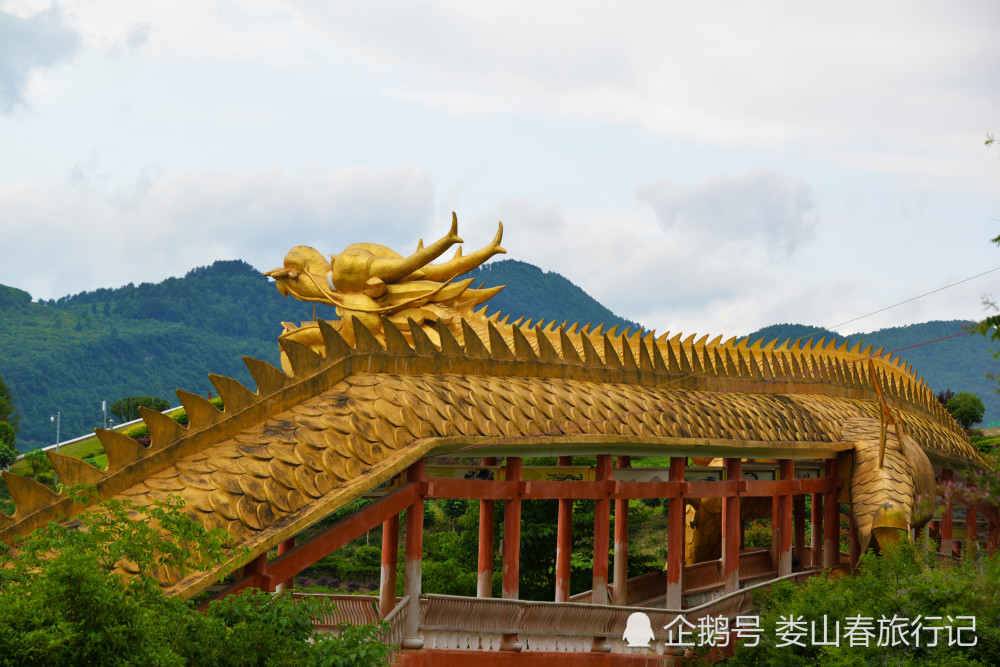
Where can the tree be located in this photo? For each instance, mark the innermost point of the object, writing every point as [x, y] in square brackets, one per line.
[7, 457]
[38, 461]
[944, 396]
[10, 419]
[127, 409]
[966, 408]
[64, 601]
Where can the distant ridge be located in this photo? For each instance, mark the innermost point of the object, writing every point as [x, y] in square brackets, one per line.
[67, 355]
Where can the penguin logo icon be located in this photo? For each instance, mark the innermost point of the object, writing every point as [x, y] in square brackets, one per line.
[638, 630]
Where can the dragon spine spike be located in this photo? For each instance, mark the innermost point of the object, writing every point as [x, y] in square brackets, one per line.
[598, 331]
[546, 351]
[878, 352]
[730, 343]
[624, 334]
[736, 368]
[303, 360]
[715, 341]
[528, 326]
[498, 346]
[610, 356]
[695, 362]
[664, 338]
[422, 344]
[689, 341]
[450, 347]
[569, 353]
[234, 395]
[659, 367]
[522, 348]
[763, 372]
[27, 494]
[268, 378]
[201, 412]
[395, 341]
[770, 346]
[504, 322]
[551, 328]
[645, 361]
[673, 363]
[676, 340]
[336, 346]
[721, 368]
[857, 348]
[628, 357]
[845, 347]
[163, 430]
[72, 470]
[867, 352]
[517, 322]
[797, 345]
[701, 341]
[495, 317]
[820, 344]
[743, 344]
[590, 356]
[757, 346]
[122, 450]
[365, 341]
[573, 327]
[784, 345]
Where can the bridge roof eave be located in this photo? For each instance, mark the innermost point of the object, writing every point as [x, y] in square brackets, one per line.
[592, 445]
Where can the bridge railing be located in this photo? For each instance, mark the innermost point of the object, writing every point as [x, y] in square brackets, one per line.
[490, 624]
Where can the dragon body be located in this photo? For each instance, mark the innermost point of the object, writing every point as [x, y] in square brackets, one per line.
[418, 371]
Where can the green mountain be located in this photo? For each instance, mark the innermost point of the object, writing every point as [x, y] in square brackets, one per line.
[69, 355]
[940, 351]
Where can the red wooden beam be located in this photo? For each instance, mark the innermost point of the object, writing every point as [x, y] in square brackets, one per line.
[318, 547]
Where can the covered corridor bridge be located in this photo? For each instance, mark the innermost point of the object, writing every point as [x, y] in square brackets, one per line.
[414, 370]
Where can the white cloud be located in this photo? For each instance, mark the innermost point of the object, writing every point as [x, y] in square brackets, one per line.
[86, 234]
[724, 212]
[27, 44]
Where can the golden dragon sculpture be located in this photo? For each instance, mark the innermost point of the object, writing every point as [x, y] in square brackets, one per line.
[411, 369]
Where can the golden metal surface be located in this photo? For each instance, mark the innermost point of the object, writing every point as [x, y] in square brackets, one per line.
[420, 371]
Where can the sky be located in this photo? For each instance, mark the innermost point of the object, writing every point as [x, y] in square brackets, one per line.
[709, 167]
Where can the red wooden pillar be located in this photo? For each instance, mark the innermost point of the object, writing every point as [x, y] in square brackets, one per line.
[799, 519]
[816, 548]
[947, 476]
[512, 533]
[731, 529]
[775, 530]
[414, 555]
[258, 569]
[971, 541]
[390, 555]
[484, 584]
[564, 541]
[855, 542]
[282, 548]
[786, 468]
[831, 519]
[602, 533]
[675, 537]
[621, 543]
[993, 542]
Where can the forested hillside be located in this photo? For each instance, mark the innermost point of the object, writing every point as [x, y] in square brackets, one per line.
[960, 363]
[68, 355]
